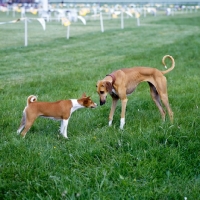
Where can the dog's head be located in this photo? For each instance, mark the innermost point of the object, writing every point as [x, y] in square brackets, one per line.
[103, 88]
[87, 101]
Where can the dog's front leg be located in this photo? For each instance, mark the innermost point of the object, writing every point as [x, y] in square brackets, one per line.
[112, 110]
[123, 112]
[61, 127]
[64, 125]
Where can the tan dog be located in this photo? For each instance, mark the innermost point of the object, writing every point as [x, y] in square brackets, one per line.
[122, 82]
[59, 110]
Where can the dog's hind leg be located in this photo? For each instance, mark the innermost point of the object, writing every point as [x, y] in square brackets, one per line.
[162, 90]
[28, 123]
[164, 98]
[156, 98]
[26, 129]
[22, 124]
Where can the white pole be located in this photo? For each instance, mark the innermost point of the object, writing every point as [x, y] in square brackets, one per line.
[8, 7]
[138, 21]
[26, 32]
[101, 21]
[122, 20]
[68, 28]
[145, 11]
[45, 5]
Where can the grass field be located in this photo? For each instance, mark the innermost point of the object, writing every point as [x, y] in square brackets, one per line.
[149, 159]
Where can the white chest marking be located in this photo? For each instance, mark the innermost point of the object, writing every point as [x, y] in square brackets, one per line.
[75, 105]
[114, 91]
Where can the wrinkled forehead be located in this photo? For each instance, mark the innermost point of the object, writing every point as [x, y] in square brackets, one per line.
[88, 99]
[100, 84]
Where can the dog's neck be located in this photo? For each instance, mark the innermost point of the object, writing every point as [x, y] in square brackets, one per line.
[113, 77]
[75, 105]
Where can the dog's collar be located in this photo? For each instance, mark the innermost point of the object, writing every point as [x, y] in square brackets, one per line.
[113, 78]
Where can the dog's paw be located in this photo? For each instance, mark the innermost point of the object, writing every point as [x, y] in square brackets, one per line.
[122, 122]
[66, 137]
[121, 127]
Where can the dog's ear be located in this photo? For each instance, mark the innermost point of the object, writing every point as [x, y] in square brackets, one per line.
[86, 100]
[108, 86]
[83, 95]
[87, 97]
[97, 83]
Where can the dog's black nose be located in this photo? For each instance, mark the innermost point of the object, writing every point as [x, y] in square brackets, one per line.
[102, 103]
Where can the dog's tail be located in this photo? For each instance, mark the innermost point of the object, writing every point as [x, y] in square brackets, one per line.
[172, 66]
[31, 99]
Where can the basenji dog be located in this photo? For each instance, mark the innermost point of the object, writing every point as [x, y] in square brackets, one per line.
[123, 82]
[59, 110]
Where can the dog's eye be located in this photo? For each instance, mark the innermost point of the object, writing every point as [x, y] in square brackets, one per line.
[101, 92]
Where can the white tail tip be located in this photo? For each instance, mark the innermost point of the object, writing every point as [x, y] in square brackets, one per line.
[33, 98]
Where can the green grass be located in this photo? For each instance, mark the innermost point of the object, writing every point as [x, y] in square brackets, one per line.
[149, 159]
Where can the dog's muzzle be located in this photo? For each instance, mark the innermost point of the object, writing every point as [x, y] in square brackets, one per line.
[102, 103]
[94, 106]
[102, 100]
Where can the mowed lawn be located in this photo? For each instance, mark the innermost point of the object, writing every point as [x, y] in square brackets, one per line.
[149, 159]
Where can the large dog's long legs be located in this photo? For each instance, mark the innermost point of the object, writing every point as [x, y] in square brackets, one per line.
[123, 112]
[162, 90]
[164, 98]
[112, 110]
[156, 98]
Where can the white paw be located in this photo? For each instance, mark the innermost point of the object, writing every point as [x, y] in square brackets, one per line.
[122, 122]
[65, 136]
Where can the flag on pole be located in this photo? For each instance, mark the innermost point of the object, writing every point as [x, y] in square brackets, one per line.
[82, 19]
[42, 22]
[114, 15]
[137, 14]
[10, 22]
[129, 13]
[34, 11]
[65, 21]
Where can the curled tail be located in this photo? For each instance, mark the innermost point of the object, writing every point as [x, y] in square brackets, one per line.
[172, 66]
[31, 99]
